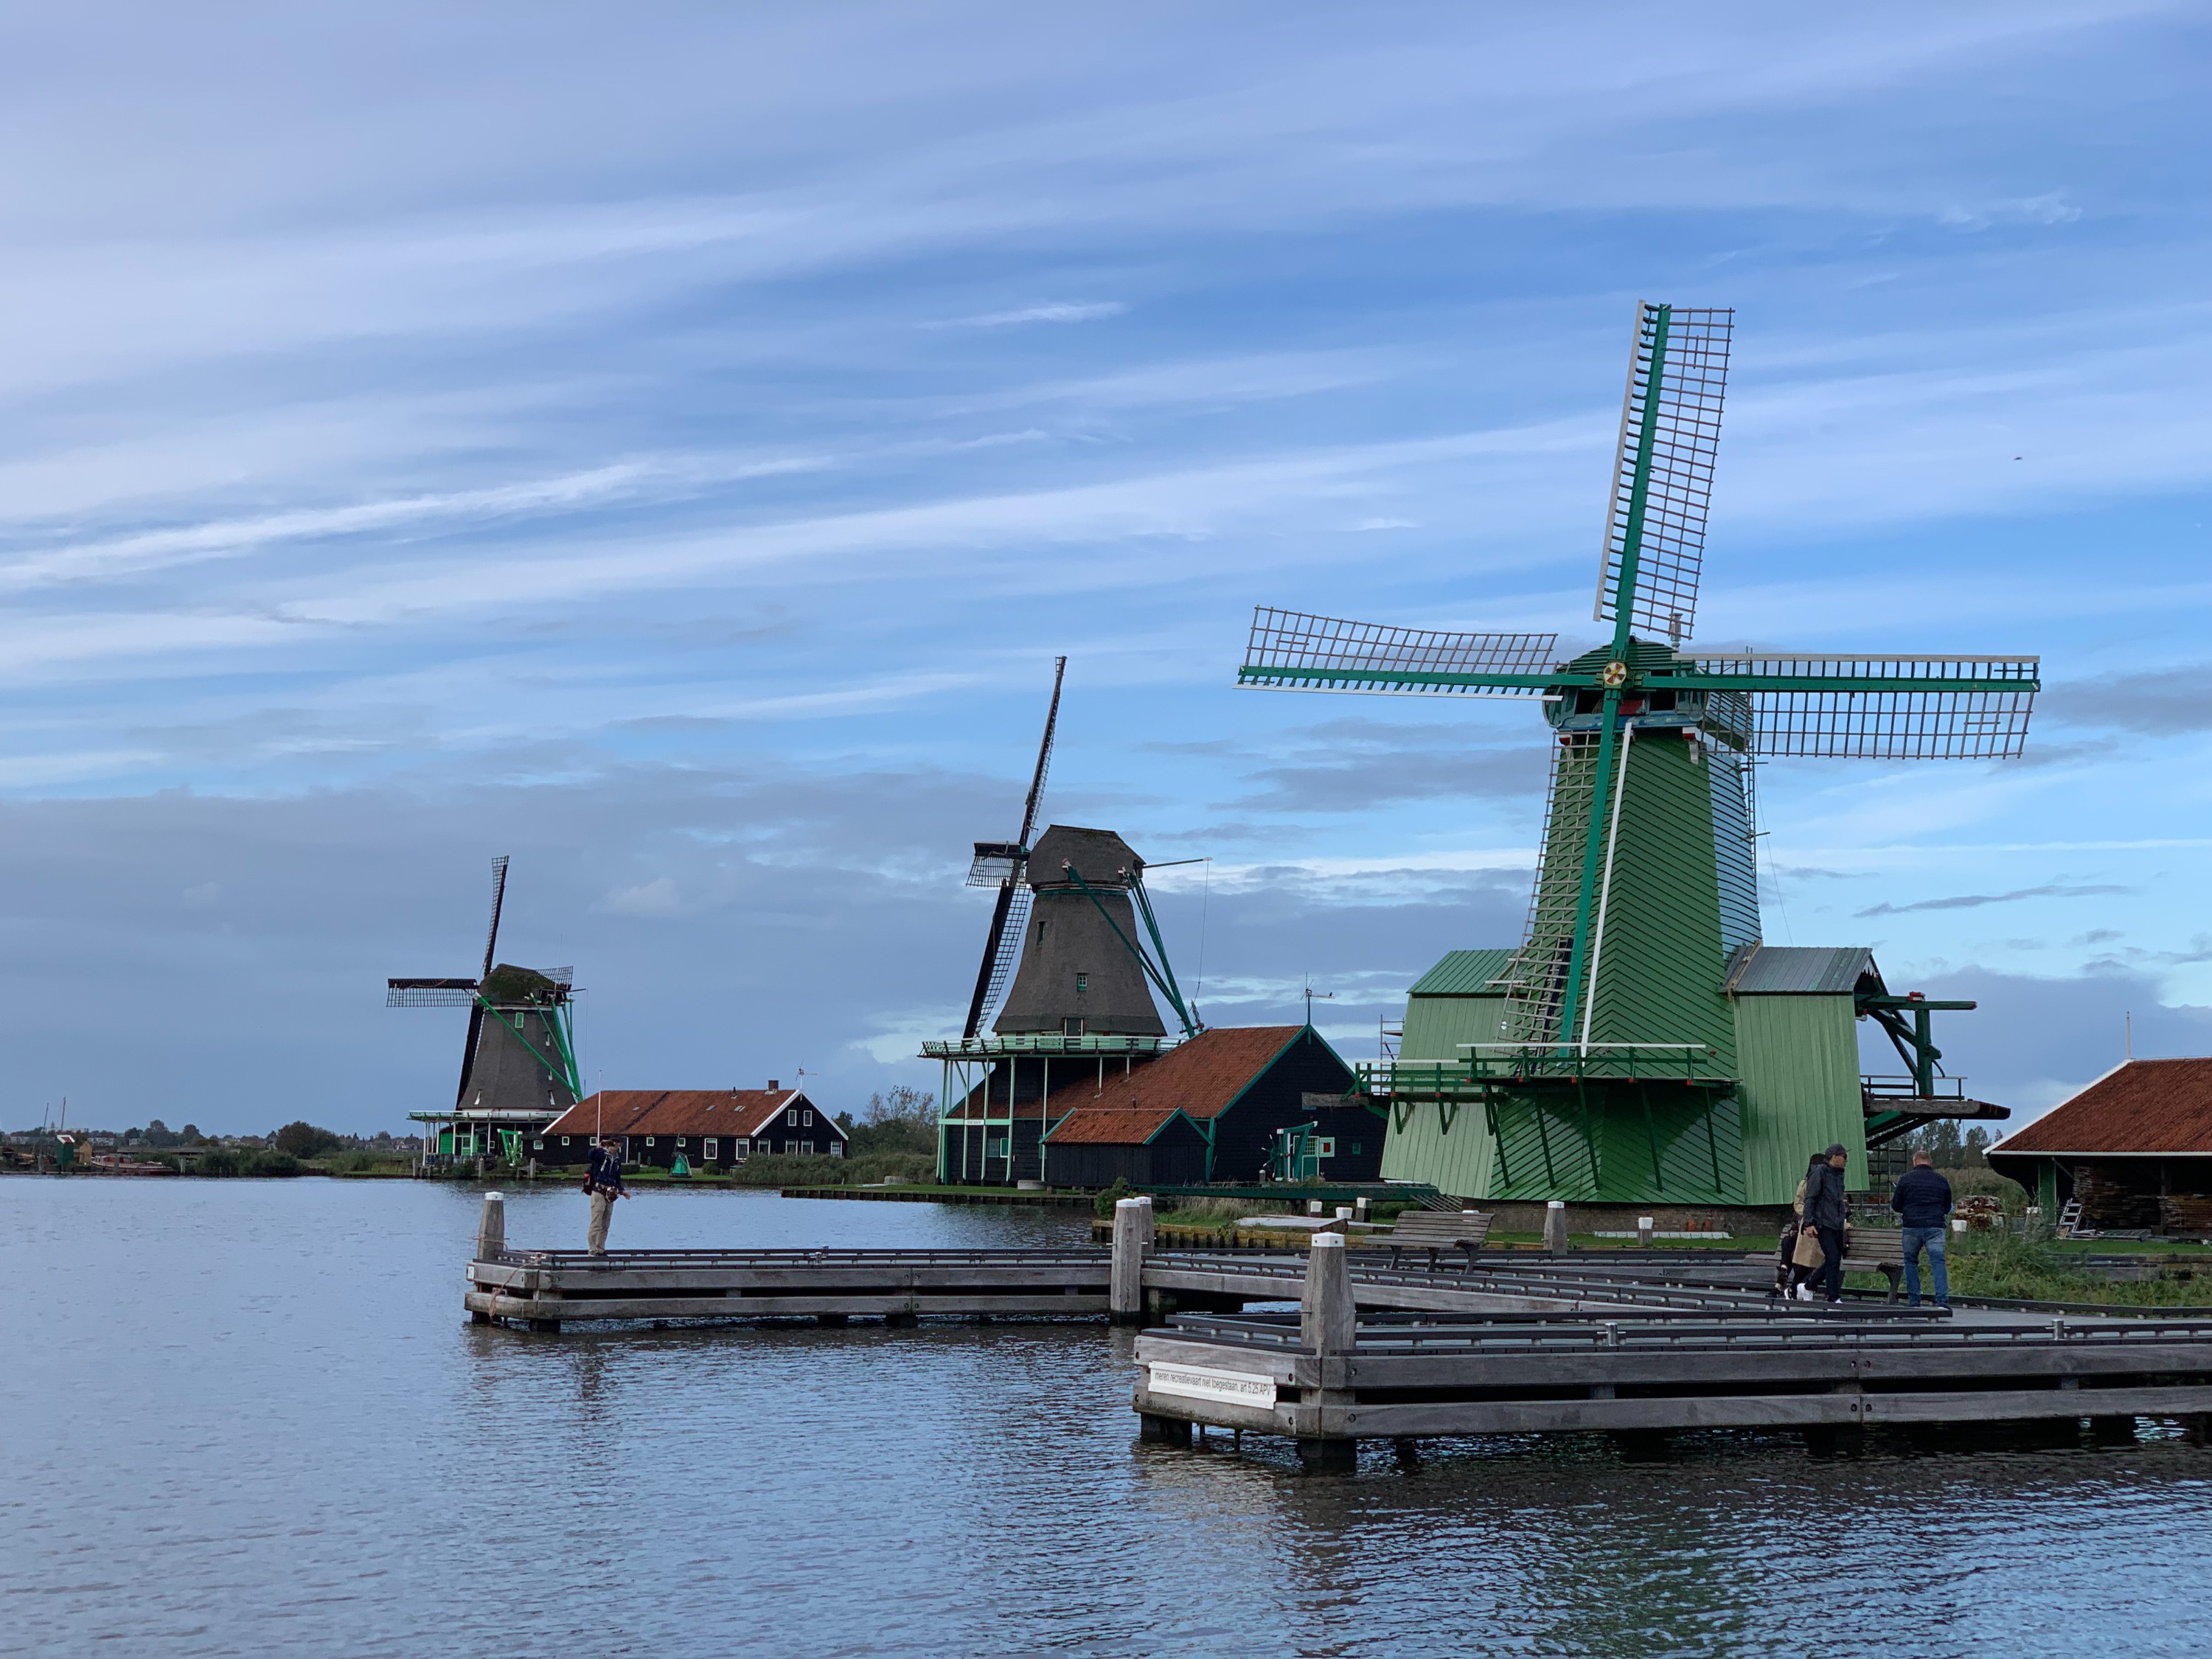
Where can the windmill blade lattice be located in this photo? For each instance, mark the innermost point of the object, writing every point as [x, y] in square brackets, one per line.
[1853, 715]
[1008, 951]
[1003, 865]
[1662, 475]
[1289, 650]
[429, 992]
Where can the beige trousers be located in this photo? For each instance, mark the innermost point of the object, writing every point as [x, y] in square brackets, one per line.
[595, 1238]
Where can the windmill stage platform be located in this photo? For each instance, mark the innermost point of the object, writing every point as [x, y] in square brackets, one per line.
[1638, 1345]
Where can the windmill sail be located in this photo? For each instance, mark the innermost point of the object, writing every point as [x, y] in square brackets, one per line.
[476, 1006]
[1854, 706]
[1662, 470]
[1002, 864]
[1292, 651]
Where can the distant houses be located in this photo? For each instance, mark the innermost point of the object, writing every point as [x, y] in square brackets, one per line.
[711, 1128]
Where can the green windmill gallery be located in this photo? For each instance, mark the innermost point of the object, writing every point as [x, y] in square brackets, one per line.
[1642, 1044]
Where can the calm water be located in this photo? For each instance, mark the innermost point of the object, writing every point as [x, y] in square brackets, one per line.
[248, 1418]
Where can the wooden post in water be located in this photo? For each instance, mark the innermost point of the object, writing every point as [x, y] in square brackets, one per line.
[1555, 1227]
[491, 1228]
[1328, 1324]
[1132, 1242]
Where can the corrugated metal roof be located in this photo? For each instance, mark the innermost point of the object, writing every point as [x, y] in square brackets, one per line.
[2146, 1106]
[1799, 970]
[1464, 973]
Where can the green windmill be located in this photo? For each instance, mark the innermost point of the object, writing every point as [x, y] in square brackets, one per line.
[1642, 1044]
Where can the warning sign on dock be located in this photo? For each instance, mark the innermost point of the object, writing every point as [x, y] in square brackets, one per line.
[1204, 1382]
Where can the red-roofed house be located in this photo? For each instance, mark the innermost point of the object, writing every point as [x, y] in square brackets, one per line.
[1216, 1109]
[713, 1128]
[2128, 1146]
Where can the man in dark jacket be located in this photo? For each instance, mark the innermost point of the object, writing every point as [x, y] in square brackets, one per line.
[1922, 1199]
[1824, 1211]
[604, 1182]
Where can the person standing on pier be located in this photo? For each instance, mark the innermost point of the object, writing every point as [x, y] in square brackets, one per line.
[604, 1182]
[1826, 1213]
[1922, 1199]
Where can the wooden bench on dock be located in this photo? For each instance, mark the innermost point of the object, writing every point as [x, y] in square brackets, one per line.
[1435, 1232]
[1876, 1249]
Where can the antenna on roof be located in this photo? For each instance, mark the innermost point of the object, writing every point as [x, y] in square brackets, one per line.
[2130, 1027]
[1313, 996]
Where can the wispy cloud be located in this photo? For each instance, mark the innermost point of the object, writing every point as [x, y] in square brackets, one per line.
[1975, 901]
[1062, 312]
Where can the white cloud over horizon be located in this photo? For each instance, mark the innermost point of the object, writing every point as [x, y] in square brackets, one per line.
[675, 451]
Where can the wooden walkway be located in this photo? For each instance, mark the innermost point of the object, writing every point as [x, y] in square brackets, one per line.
[1637, 1345]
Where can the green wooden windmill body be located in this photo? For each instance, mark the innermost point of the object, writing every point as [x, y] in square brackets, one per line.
[1620, 1054]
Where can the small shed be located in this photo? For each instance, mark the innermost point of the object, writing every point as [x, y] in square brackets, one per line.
[2135, 1147]
[1212, 1109]
[713, 1128]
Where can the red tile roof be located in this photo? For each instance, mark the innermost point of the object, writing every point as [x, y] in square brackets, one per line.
[2145, 1106]
[1200, 1079]
[682, 1112]
[1126, 1125]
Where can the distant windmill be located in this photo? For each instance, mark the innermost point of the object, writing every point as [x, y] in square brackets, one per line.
[1000, 864]
[519, 1065]
[1645, 900]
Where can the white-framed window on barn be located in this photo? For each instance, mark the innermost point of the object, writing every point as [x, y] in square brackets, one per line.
[836, 1149]
[791, 1119]
[564, 1141]
[741, 1149]
[806, 1148]
[790, 1147]
[806, 1118]
[536, 1146]
[714, 1149]
[648, 1140]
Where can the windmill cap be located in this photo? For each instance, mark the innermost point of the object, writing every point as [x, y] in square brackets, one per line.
[1103, 858]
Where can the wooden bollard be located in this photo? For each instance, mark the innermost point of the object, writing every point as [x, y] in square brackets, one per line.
[1132, 1242]
[1555, 1227]
[1326, 1317]
[1328, 1324]
[491, 1228]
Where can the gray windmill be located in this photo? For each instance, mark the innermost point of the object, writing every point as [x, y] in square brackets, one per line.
[519, 1064]
[1070, 966]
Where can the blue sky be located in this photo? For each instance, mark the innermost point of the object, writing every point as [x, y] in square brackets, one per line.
[670, 450]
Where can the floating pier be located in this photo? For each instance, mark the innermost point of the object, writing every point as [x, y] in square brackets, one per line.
[1333, 1376]
[1129, 1283]
[1633, 1344]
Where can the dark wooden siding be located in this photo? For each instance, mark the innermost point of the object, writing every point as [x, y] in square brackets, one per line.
[1244, 1134]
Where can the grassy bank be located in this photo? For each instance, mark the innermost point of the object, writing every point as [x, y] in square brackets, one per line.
[2019, 1270]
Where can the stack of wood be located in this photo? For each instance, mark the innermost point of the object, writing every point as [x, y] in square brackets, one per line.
[2186, 1212]
[2109, 1204]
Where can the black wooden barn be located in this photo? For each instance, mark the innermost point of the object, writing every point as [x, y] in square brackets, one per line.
[1212, 1111]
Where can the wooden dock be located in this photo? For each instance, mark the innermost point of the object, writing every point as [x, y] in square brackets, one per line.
[1638, 1345]
[1131, 1282]
[1333, 1376]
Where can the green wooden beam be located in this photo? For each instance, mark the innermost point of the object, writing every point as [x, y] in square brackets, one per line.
[1593, 844]
[1639, 491]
